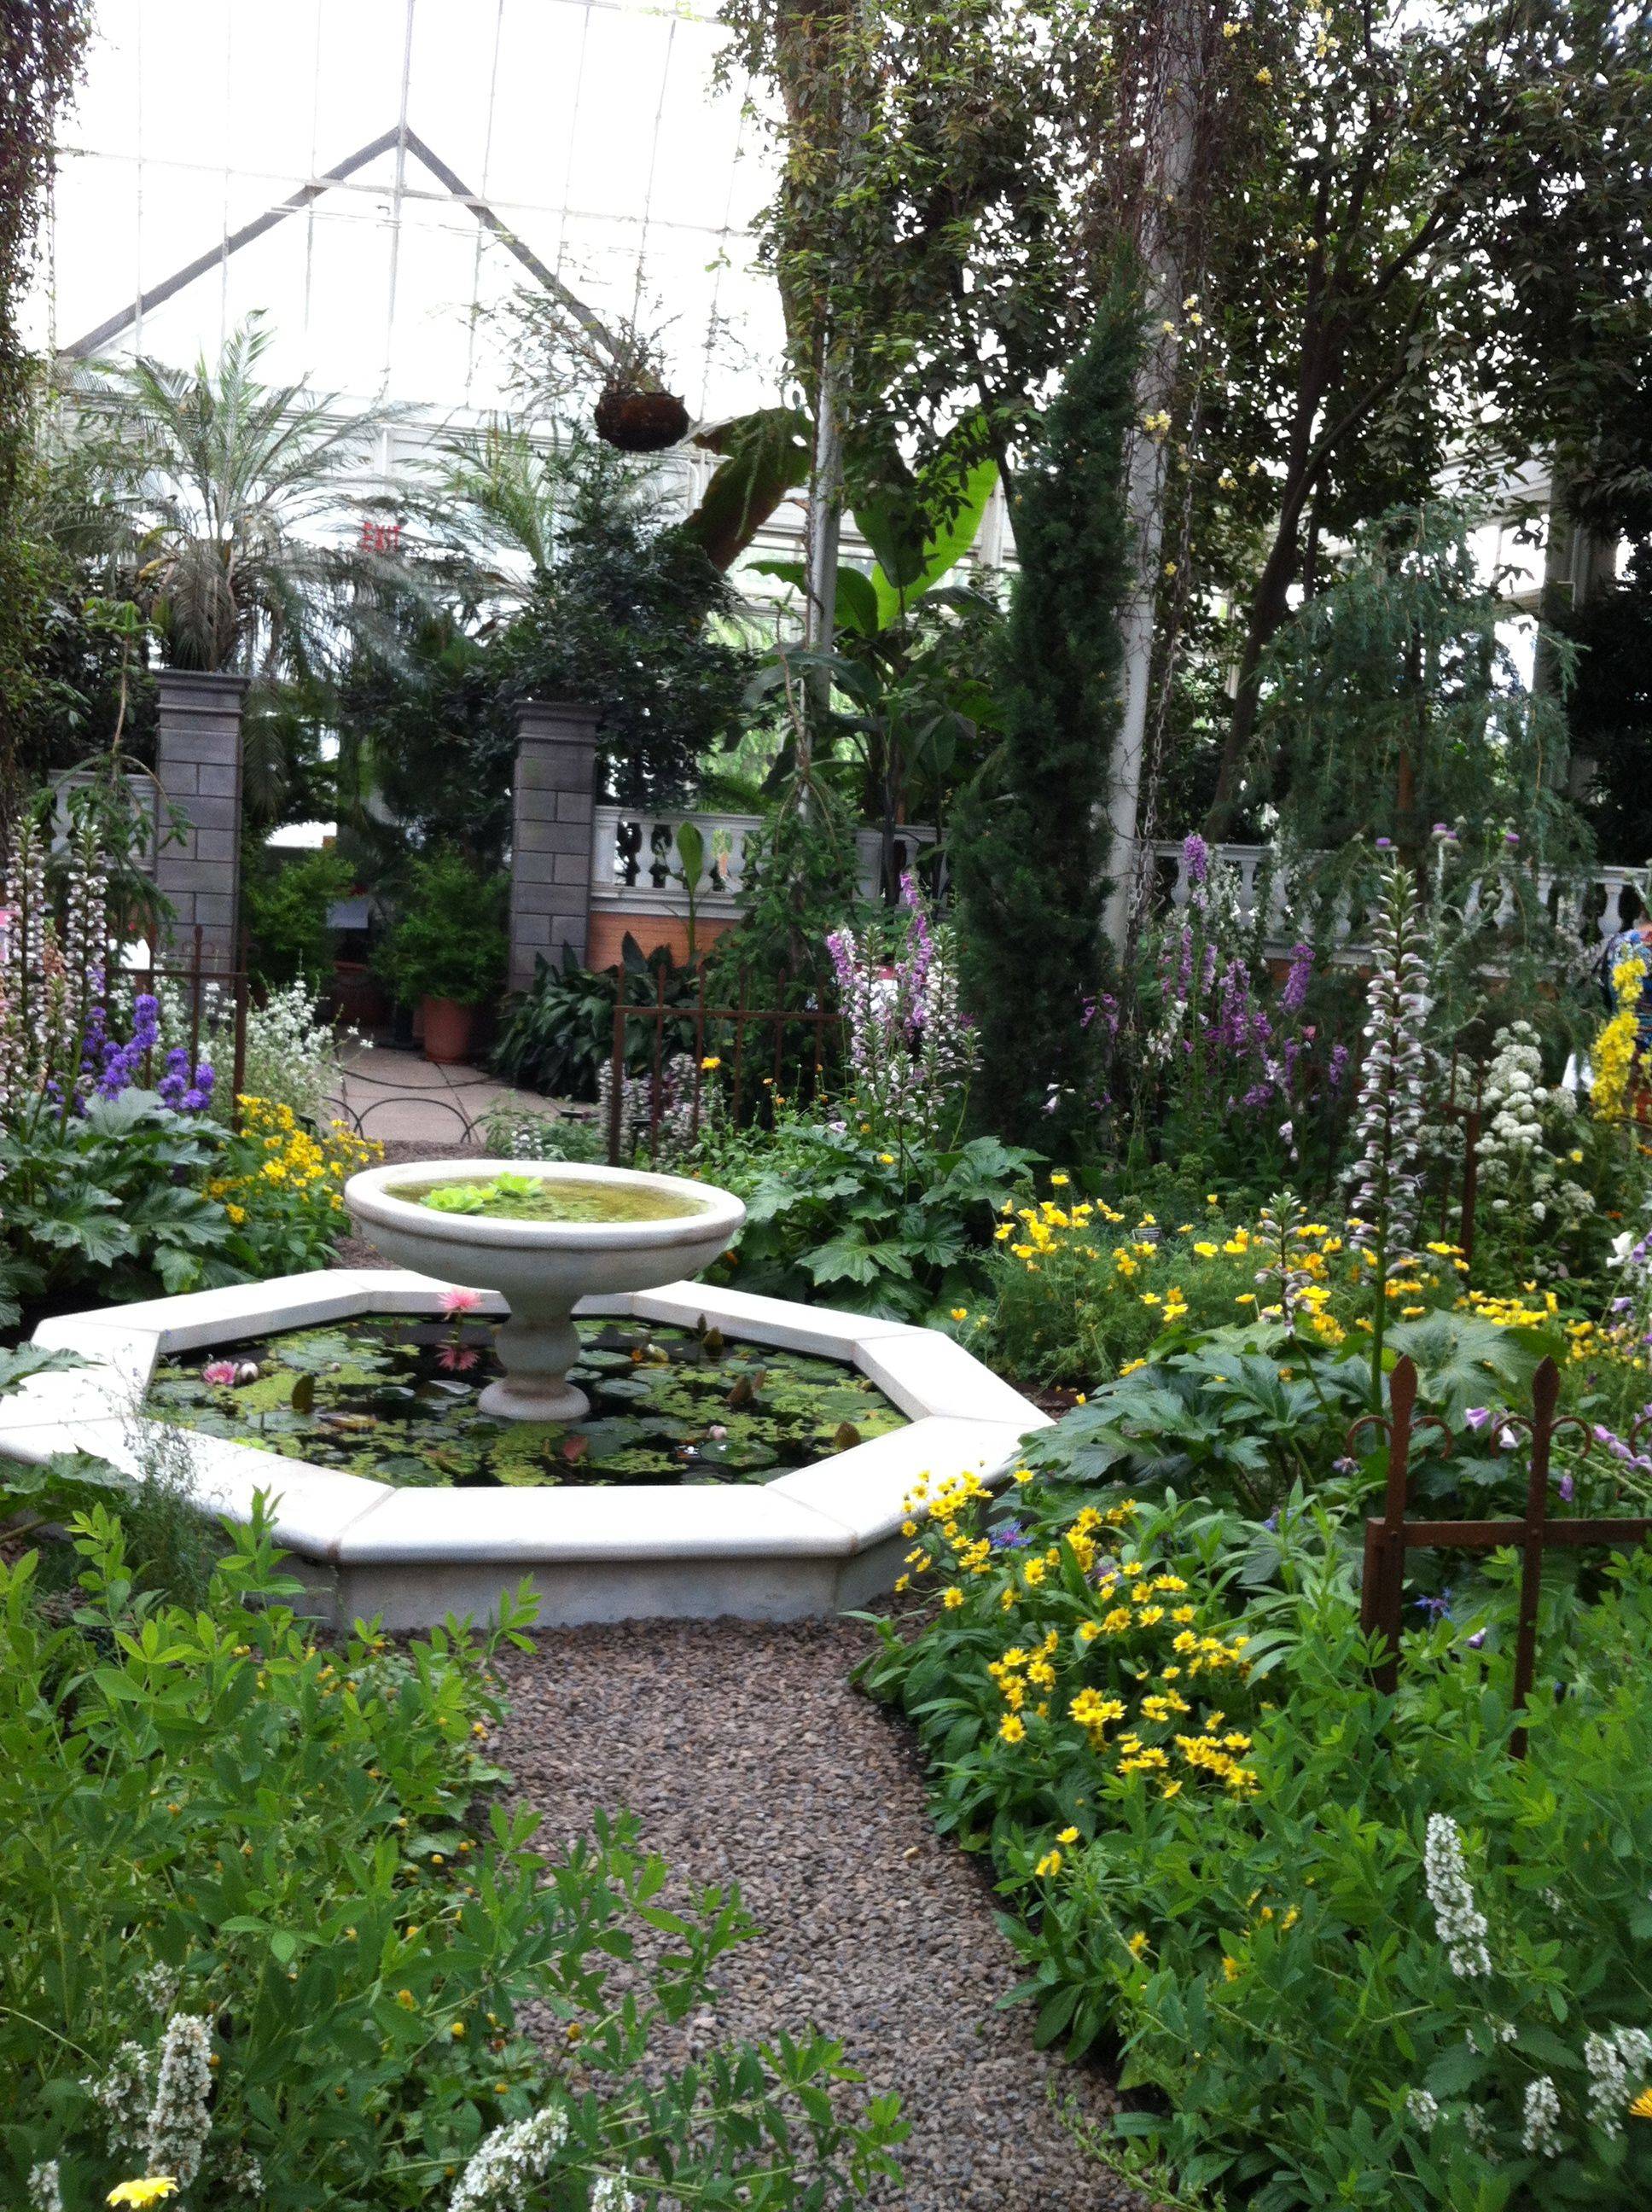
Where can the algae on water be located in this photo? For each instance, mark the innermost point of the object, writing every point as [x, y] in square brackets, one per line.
[510, 1197]
[393, 1397]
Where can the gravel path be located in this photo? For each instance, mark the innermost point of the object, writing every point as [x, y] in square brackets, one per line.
[747, 1756]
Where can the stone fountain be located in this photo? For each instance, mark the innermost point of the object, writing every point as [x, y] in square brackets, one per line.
[584, 1232]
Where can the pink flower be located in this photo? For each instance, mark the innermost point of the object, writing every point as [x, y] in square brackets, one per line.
[457, 1358]
[717, 1431]
[218, 1371]
[458, 1302]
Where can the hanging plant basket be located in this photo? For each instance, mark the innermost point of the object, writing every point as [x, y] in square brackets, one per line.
[641, 422]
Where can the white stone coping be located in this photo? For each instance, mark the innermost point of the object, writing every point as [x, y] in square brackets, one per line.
[959, 1415]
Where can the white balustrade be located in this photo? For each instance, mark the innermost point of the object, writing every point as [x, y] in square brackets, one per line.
[1594, 904]
[637, 862]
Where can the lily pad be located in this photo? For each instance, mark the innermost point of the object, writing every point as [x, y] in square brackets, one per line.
[394, 1397]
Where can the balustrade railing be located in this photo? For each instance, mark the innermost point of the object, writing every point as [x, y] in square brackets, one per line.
[1597, 904]
[637, 862]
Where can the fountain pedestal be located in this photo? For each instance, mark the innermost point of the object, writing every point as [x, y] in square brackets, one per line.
[536, 1348]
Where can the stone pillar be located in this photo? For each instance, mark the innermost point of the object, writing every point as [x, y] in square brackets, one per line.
[551, 824]
[199, 766]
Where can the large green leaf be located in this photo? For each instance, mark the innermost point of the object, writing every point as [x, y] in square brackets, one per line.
[942, 550]
[765, 455]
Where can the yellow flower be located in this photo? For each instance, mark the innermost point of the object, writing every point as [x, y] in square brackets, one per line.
[712, 1059]
[1050, 1863]
[960, 1313]
[886, 1159]
[1642, 2107]
[1059, 1182]
[1068, 1836]
[152, 2190]
[1012, 1728]
[951, 1598]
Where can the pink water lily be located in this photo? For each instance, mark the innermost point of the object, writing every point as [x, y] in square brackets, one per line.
[458, 1302]
[218, 1372]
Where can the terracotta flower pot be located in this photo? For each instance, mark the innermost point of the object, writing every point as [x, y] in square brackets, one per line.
[641, 422]
[448, 1027]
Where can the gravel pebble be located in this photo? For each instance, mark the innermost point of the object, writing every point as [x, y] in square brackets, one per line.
[747, 1754]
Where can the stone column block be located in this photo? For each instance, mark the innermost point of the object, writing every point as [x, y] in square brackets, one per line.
[198, 766]
[552, 814]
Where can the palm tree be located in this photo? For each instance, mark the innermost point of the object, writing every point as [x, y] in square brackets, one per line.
[221, 492]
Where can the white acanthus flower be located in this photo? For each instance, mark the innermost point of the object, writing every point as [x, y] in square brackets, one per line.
[180, 2118]
[1539, 2134]
[1613, 2061]
[507, 2166]
[45, 2187]
[1422, 2109]
[123, 2095]
[614, 2193]
[1458, 1921]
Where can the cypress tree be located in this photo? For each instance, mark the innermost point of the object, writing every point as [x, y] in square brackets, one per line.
[1029, 834]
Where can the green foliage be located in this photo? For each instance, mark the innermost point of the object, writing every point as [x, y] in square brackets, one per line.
[110, 1199]
[447, 941]
[1029, 854]
[1609, 710]
[1391, 703]
[559, 1035]
[799, 881]
[517, 1132]
[41, 52]
[425, 725]
[1161, 1725]
[829, 1216]
[286, 905]
[631, 617]
[207, 1816]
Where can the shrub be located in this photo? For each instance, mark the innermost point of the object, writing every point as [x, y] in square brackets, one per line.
[111, 1197]
[290, 939]
[515, 1133]
[448, 939]
[265, 1926]
[559, 1035]
[1363, 1955]
[830, 1214]
[282, 1188]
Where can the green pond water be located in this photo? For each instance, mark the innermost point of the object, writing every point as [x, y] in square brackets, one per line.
[393, 1397]
[510, 1197]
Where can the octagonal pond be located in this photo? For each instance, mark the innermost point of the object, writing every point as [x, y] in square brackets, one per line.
[394, 1398]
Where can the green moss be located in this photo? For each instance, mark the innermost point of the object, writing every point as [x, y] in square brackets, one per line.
[395, 1398]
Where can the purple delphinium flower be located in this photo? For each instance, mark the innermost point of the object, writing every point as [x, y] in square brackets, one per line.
[1295, 982]
[1437, 1608]
[1195, 857]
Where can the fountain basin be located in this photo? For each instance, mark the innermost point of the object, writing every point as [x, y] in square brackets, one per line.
[543, 1268]
[808, 1543]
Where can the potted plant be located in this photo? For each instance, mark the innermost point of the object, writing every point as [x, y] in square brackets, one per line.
[444, 954]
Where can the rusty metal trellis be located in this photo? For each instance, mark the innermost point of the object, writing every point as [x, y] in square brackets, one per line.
[1387, 1540]
[823, 1025]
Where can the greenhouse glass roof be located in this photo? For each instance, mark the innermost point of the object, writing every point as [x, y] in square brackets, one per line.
[377, 175]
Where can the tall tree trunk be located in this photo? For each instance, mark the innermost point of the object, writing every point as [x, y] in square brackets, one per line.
[1165, 193]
